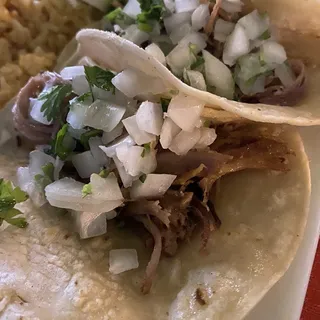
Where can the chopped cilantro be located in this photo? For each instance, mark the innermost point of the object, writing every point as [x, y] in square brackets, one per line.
[165, 104]
[9, 197]
[117, 16]
[86, 190]
[104, 173]
[197, 63]
[113, 15]
[47, 177]
[53, 100]
[145, 27]
[151, 10]
[99, 78]
[266, 35]
[207, 124]
[193, 48]
[143, 178]
[81, 98]
[58, 148]
[84, 139]
[146, 149]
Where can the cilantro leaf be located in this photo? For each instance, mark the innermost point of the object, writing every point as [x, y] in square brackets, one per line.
[143, 178]
[104, 173]
[58, 148]
[266, 35]
[47, 177]
[99, 78]
[199, 62]
[84, 139]
[117, 16]
[9, 197]
[86, 190]
[53, 100]
[146, 149]
[151, 10]
[165, 104]
[81, 98]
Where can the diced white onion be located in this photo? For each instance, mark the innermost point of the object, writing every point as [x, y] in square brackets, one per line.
[273, 53]
[38, 159]
[97, 153]
[154, 186]
[77, 113]
[134, 162]
[207, 137]
[135, 35]
[186, 5]
[180, 32]
[175, 20]
[58, 165]
[89, 224]
[197, 39]
[154, 50]
[126, 178]
[108, 137]
[222, 29]
[105, 188]
[285, 74]
[168, 132]
[132, 83]
[111, 214]
[67, 193]
[200, 17]
[149, 117]
[76, 133]
[185, 111]
[80, 85]
[231, 6]
[35, 111]
[180, 58]
[132, 8]
[196, 80]
[254, 24]
[104, 115]
[237, 45]
[86, 61]
[110, 151]
[170, 5]
[218, 75]
[68, 73]
[185, 141]
[247, 88]
[85, 164]
[121, 260]
[138, 135]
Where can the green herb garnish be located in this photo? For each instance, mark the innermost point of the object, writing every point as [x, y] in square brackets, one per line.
[266, 35]
[165, 104]
[46, 178]
[117, 16]
[99, 78]
[146, 149]
[207, 124]
[84, 139]
[81, 98]
[104, 173]
[199, 62]
[9, 197]
[58, 148]
[53, 100]
[151, 10]
[143, 178]
[86, 190]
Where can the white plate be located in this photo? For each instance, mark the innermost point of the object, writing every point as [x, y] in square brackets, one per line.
[285, 300]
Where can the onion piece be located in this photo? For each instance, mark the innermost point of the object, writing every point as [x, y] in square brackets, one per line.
[110, 151]
[111, 215]
[175, 20]
[135, 35]
[138, 135]
[121, 260]
[86, 61]
[132, 82]
[134, 162]
[35, 111]
[149, 117]
[191, 109]
[76, 133]
[68, 73]
[200, 17]
[80, 85]
[196, 80]
[132, 8]
[186, 5]
[185, 141]
[273, 53]
[168, 132]
[207, 137]
[177, 34]
[85, 164]
[126, 178]
[104, 115]
[105, 188]
[99, 156]
[285, 74]
[170, 5]
[218, 75]
[67, 193]
[38, 159]
[154, 186]
[89, 224]
[197, 39]
[155, 51]
[231, 6]
[108, 137]
[237, 45]
[222, 29]
[102, 5]
[77, 113]
[254, 24]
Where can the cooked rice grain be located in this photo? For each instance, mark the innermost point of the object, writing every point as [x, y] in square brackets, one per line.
[32, 33]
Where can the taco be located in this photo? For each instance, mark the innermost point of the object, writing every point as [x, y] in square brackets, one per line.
[139, 207]
[230, 55]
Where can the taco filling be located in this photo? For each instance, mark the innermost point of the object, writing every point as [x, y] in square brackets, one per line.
[213, 46]
[105, 151]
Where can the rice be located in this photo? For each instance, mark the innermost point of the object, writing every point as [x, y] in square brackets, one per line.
[32, 33]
